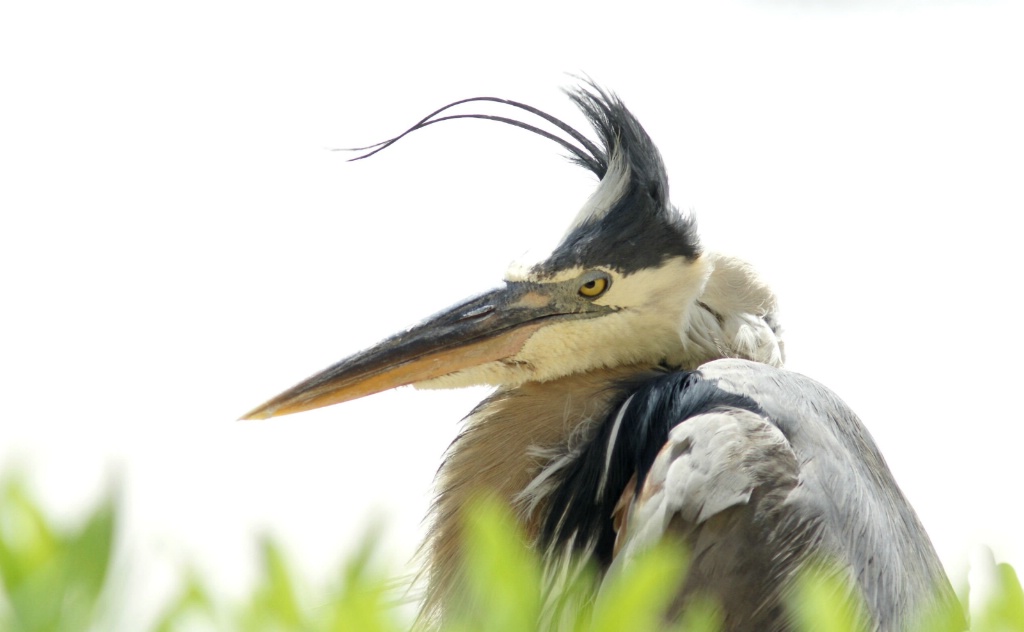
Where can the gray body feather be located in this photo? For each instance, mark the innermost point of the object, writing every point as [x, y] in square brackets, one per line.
[756, 494]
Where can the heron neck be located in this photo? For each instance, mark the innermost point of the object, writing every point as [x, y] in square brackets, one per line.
[509, 447]
[735, 316]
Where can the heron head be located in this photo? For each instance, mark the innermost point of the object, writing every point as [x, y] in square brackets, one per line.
[618, 289]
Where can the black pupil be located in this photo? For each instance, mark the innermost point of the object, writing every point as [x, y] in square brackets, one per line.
[590, 284]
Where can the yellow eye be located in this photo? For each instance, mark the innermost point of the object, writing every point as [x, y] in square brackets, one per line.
[595, 288]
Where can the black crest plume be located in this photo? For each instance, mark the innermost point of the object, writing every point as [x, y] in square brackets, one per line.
[617, 128]
[630, 223]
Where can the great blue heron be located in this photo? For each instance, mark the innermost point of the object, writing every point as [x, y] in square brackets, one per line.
[640, 393]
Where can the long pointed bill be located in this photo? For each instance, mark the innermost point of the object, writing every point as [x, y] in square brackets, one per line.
[491, 327]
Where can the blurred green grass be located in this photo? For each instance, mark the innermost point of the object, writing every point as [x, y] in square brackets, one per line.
[58, 579]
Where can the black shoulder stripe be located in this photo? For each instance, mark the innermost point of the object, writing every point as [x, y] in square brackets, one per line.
[579, 504]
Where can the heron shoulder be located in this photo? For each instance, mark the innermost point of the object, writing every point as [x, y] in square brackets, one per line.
[792, 472]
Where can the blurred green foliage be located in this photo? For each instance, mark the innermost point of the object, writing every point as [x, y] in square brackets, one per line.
[52, 578]
[58, 578]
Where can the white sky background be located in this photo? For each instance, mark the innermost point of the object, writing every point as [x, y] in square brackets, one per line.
[177, 244]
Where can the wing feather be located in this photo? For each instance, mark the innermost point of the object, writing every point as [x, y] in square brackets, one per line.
[710, 485]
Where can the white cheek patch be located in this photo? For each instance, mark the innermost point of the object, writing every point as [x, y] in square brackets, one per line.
[618, 339]
[651, 306]
[667, 289]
